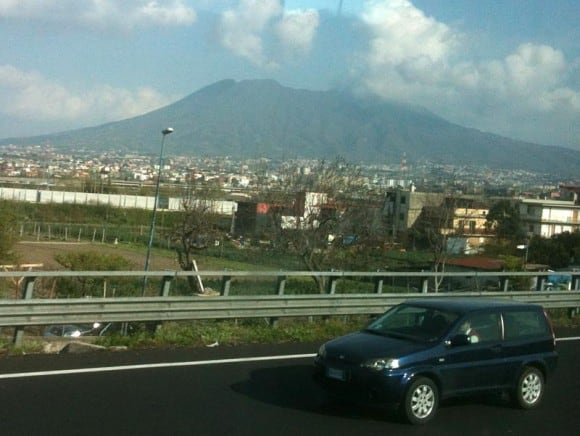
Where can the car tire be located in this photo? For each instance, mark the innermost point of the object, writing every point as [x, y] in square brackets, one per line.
[530, 388]
[421, 401]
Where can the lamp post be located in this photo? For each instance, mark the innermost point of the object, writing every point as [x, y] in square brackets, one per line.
[164, 133]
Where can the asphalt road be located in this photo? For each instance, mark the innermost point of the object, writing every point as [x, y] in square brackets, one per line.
[204, 395]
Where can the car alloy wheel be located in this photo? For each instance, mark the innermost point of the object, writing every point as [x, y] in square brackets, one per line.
[530, 388]
[421, 401]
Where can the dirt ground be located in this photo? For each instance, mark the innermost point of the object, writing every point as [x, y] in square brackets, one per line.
[44, 253]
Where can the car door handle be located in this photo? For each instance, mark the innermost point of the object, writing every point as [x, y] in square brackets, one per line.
[496, 348]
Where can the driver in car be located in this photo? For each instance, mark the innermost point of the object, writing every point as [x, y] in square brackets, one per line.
[471, 333]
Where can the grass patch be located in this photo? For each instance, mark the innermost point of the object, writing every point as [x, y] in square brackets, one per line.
[565, 317]
[30, 346]
[237, 332]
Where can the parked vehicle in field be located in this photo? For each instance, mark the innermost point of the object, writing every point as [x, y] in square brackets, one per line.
[94, 329]
[423, 351]
[72, 330]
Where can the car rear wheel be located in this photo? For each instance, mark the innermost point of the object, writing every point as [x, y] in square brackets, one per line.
[530, 388]
[421, 401]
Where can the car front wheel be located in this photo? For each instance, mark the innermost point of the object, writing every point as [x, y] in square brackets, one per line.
[421, 401]
[530, 388]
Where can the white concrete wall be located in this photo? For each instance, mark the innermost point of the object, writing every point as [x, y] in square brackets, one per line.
[113, 200]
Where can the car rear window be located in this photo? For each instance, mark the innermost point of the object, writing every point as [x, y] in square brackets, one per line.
[525, 323]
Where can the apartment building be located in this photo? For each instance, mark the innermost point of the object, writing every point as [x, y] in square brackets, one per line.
[466, 216]
[403, 207]
[547, 218]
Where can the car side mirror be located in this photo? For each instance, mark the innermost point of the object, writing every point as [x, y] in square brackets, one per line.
[459, 341]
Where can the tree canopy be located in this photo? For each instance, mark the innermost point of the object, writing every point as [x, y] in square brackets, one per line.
[327, 217]
[8, 233]
[90, 261]
[504, 217]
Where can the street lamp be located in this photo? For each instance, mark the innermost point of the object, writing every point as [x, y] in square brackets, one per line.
[164, 133]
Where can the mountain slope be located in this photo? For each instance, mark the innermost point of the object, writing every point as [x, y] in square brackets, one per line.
[262, 118]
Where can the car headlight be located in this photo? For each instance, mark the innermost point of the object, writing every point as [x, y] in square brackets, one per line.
[381, 363]
[322, 351]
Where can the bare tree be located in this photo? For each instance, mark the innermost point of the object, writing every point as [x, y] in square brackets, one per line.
[198, 229]
[325, 216]
[433, 228]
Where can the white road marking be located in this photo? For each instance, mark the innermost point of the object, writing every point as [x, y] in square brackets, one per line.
[573, 338]
[175, 364]
[152, 366]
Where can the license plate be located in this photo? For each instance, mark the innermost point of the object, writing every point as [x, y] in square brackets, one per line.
[336, 374]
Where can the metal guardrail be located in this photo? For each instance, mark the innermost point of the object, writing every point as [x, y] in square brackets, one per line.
[82, 310]
[30, 311]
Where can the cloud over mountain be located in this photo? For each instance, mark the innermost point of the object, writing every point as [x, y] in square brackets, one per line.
[414, 58]
[245, 30]
[32, 95]
[261, 118]
[500, 68]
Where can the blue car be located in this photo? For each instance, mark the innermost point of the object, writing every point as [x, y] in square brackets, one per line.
[426, 350]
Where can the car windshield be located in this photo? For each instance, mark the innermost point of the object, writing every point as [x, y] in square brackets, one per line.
[416, 323]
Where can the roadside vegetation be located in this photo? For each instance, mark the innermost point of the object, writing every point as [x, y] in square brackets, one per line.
[352, 235]
[215, 333]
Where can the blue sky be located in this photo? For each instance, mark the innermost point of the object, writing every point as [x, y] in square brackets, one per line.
[510, 67]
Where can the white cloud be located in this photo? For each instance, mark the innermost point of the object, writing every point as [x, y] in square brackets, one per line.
[415, 59]
[246, 30]
[31, 97]
[242, 28]
[408, 52]
[174, 13]
[123, 14]
[297, 29]
[402, 33]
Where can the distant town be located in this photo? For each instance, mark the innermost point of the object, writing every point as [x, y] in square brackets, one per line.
[405, 193]
[46, 166]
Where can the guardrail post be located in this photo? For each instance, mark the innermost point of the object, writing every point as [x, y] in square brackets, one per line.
[504, 283]
[575, 286]
[280, 285]
[332, 285]
[576, 283]
[541, 283]
[27, 292]
[425, 285]
[226, 283]
[166, 286]
[378, 285]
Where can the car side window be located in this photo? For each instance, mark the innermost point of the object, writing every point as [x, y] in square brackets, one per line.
[481, 327]
[524, 323]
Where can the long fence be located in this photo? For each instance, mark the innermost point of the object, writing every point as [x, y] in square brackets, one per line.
[125, 201]
[359, 298]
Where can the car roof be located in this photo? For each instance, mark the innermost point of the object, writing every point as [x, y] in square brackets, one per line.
[464, 305]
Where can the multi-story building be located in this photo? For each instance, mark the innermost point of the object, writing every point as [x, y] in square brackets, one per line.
[547, 218]
[403, 207]
[463, 219]
[468, 231]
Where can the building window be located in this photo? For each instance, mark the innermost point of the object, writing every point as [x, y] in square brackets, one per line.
[403, 199]
[471, 226]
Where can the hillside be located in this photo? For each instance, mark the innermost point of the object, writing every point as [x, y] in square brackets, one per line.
[261, 118]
